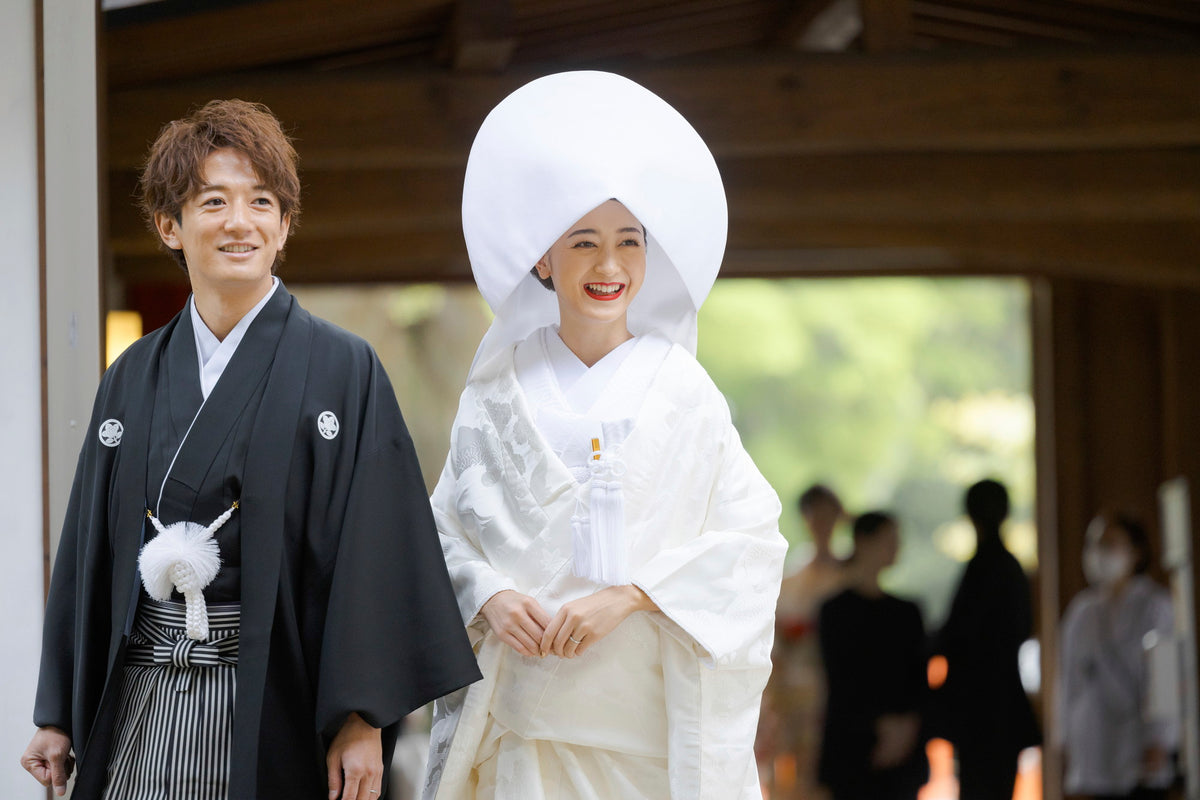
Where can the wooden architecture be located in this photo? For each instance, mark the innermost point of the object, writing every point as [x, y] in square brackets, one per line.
[1054, 140]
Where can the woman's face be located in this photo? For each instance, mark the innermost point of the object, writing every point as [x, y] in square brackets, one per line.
[597, 266]
[1108, 554]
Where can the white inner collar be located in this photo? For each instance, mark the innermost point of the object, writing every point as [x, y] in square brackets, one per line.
[214, 354]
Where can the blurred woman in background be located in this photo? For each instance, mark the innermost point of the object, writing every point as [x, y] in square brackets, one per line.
[1111, 749]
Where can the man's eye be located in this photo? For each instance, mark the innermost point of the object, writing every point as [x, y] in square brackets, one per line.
[213, 201]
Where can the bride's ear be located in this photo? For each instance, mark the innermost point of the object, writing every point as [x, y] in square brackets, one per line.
[542, 267]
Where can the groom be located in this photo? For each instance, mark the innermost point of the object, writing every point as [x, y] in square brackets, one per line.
[327, 612]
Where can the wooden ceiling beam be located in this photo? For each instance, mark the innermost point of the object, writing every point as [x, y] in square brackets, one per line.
[887, 25]
[923, 188]
[232, 37]
[1013, 24]
[779, 105]
[481, 36]
[1092, 16]
[1161, 254]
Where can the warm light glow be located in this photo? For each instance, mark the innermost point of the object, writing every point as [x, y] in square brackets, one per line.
[937, 671]
[121, 329]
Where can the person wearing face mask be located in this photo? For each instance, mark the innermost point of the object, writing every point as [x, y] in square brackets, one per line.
[1111, 749]
[873, 647]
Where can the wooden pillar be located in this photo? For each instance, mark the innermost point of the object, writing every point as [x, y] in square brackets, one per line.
[1116, 394]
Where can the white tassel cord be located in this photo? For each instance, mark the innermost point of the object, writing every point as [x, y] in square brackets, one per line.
[601, 553]
[184, 557]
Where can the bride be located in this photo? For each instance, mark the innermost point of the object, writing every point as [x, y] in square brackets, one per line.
[614, 550]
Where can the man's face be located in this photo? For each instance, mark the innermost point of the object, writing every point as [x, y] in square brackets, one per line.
[231, 230]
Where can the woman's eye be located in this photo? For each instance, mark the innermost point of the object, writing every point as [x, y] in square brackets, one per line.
[631, 243]
[583, 244]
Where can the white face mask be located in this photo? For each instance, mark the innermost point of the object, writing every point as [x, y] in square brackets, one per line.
[1103, 567]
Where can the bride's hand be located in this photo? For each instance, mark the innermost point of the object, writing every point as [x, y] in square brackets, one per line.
[581, 623]
[518, 620]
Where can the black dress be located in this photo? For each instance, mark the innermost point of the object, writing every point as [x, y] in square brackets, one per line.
[874, 653]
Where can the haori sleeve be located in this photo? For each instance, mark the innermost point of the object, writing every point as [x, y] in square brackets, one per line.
[81, 579]
[392, 639]
[718, 590]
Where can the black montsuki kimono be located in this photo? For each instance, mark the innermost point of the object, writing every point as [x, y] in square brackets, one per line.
[345, 601]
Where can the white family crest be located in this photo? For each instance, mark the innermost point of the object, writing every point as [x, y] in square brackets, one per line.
[327, 424]
[111, 431]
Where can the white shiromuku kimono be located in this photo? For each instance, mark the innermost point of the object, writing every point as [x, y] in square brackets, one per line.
[667, 704]
[563, 479]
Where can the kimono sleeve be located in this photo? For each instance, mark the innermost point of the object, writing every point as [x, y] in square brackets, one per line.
[475, 580]
[52, 706]
[719, 589]
[74, 649]
[392, 641]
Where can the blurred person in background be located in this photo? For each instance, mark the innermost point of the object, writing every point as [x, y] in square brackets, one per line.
[790, 732]
[873, 646]
[982, 707]
[1111, 749]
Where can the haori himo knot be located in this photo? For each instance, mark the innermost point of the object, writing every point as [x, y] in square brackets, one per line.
[184, 557]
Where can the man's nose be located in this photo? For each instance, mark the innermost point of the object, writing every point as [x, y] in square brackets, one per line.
[238, 218]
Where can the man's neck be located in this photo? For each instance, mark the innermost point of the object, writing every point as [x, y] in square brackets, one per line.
[223, 310]
[864, 580]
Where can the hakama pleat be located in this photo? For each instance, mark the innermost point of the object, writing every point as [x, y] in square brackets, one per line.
[511, 767]
[175, 722]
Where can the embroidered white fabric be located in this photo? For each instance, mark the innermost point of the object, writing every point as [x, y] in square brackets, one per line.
[703, 543]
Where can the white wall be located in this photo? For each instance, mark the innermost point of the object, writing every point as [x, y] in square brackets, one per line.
[20, 399]
[72, 324]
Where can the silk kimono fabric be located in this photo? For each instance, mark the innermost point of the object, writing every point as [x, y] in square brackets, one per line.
[664, 706]
[345, 604]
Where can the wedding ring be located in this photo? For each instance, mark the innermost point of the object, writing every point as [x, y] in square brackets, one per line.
[573, 639]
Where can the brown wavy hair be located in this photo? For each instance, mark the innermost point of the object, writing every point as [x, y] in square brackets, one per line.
[173, 167]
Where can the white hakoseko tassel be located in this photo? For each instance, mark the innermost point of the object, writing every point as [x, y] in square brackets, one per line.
[183, 556]
[598, 531]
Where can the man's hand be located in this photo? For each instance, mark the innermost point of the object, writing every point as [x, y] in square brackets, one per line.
[48, 758]
[581, 623]
[355, 761]
[518, 620]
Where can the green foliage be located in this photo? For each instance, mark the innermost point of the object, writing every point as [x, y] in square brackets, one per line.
[898, 392]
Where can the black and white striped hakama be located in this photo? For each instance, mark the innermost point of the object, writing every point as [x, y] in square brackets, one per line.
[175, 720]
